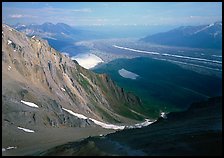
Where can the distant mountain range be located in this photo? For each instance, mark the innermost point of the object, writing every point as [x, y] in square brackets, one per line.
[60, 36]
[59, 31]
[203, 36]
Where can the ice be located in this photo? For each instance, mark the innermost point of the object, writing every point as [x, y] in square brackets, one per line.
[163, 115]
[107, 126]
[75, 114]
[63, 89]
[135, 50]
[127, 74]
[87, 60]
[29, 104]
[140, 125]
[9, 68]
[9, 41]
[111, 126]
[11, 147]
[204, 28]
[26, 130]
[104, 125]
[192, 58]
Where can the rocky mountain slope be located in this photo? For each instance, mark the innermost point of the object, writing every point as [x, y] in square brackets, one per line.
[40, 86]
[203, 36]
[197, 131]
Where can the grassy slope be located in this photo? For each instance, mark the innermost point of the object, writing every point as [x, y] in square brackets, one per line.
[162, 85]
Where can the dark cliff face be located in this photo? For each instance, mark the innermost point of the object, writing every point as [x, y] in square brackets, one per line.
[34, 72]
[197, 131]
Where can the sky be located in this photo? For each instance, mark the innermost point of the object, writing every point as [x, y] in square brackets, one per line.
[112, 13]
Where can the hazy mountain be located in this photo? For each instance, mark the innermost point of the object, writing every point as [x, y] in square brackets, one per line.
[203, 36]
[60, 36]
[197, 131]
[59, 31]
[51, 82]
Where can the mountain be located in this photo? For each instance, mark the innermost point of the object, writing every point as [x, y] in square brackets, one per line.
[203, 36]
[49, 30]
[43, 89]
[60, 36]
[195, 132]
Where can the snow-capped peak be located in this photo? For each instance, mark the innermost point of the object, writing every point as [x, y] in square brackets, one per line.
[211, 25]
[204, 28]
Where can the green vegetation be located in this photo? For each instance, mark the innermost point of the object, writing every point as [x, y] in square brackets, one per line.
[162, 86]
[85, 84]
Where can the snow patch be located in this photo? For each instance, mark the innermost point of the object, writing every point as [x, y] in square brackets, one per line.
[163, 115]
[11, 147]
[8, 148]
[84, 76]
[104, 125]
[204, 28]
[63, 89]
[29, 104]
[107, 126]
[111, 126]
[9, 68]
[87, 60]
[26, 130]
[127, 74]
[9, 41]
[140, 125]
[75, 114]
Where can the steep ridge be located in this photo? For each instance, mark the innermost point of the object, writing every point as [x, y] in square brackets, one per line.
[36, 73]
